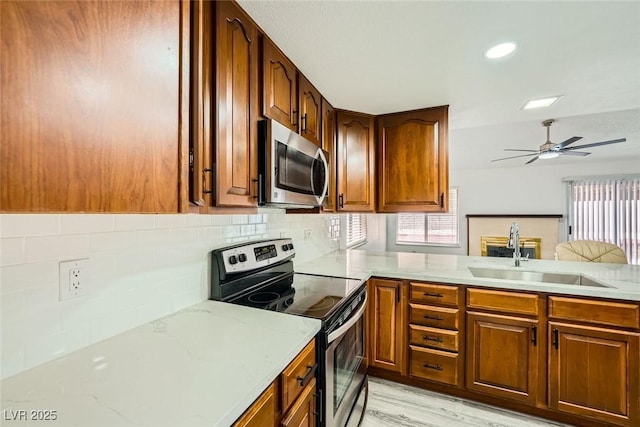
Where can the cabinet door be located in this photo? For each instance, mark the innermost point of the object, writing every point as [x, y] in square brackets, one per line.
[594, 372]
[356, 162]
[236, 110]
[329, 145]
[302, 413]
[310, 117]
[387, 326]
[503, 356]
[279, 86]
[413, 161]
[263, 411]
[91, 105]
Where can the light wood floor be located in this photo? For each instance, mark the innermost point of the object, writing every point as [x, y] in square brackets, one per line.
[392, 404]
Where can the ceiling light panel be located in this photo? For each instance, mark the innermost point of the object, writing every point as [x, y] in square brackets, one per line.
[542, 102]
[500, 51]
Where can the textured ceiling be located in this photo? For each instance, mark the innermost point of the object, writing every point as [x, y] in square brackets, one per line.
[386, 56]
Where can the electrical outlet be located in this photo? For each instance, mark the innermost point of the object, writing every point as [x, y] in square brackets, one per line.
[307, 234]
[74, 276]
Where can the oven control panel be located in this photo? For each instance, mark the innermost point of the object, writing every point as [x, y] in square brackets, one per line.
[257, 255]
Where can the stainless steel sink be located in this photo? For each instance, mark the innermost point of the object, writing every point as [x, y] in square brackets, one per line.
[535, 276]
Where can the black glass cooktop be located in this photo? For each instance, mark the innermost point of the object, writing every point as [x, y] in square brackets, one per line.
[302, 294]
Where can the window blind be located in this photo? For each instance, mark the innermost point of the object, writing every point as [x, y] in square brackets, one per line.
[607, 210]
[356, 229]
[431, 229]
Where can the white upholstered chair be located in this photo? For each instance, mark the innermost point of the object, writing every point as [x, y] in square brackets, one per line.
[590, 251]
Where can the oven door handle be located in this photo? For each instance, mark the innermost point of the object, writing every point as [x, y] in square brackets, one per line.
[352, 321]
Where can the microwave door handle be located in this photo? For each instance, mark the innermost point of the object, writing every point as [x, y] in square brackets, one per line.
[325, 165]
[352, 321]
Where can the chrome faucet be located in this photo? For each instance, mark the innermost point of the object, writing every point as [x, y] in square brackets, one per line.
[514, 243]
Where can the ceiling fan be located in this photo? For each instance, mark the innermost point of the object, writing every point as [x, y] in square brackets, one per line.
[549, 150]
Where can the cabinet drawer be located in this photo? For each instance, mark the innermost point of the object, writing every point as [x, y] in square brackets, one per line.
[433, 337]
[434, 294]
[624, 315]
[294, 374]
[434, 365]
[510, 302]
[437, 317]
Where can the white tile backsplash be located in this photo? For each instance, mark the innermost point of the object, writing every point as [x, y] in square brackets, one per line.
[141, 267]
[29, 225]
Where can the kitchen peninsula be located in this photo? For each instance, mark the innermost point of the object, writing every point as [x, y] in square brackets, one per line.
[205, 365]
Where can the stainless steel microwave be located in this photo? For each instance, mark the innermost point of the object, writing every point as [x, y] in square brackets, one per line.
[292, 171]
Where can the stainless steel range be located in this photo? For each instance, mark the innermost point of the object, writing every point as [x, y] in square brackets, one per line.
[261, 275]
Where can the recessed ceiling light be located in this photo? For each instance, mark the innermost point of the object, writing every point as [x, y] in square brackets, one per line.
[542, 102]
[549, 155]
[500, 50]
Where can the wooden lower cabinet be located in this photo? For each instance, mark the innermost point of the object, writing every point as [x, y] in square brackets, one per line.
[503, 356]
[387, 329]
[302, 413]
[435, 365]
[290, 401]
[593, 372]
[263, 411]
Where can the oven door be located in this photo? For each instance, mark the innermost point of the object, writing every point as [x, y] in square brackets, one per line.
[345, 369]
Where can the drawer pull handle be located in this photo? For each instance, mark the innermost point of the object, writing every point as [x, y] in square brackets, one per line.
[429, 294]
[426, 316]
[429, 366]
[428, 338]
[311, 370]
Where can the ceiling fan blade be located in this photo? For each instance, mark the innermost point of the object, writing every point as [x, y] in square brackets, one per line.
[574, 153]
[533, 160]
[597, 144]
[517, 149]
[567, 142]
[515, 157]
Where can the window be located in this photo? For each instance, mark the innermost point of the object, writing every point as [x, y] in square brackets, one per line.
[430, 229]
[356, 229]
[606, 210]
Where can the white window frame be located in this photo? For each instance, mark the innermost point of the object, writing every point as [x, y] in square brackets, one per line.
[454, 197]
[355, 237]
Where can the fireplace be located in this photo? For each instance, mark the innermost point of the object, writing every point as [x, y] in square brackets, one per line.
[496, 246]
[487, 234]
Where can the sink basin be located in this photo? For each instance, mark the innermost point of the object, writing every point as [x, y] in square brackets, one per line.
[535, 276]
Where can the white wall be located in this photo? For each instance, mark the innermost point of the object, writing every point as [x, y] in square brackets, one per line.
[141, 267]
[518, 190]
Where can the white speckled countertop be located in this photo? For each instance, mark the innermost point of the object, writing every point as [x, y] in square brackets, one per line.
[623, 281]
[202, 366]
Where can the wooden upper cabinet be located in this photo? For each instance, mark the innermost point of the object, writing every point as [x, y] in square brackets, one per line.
[280, 91]
[356, 162]
[310, 117]
[413, 161]
[329, 145]
[92, 106]
[236, 110]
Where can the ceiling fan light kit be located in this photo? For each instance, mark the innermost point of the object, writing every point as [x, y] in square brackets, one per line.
[550, 150]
